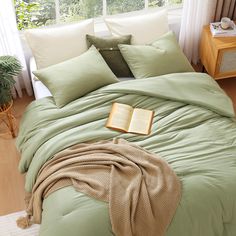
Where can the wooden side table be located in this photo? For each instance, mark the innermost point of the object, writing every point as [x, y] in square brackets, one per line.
[218, 54]
[8, 120]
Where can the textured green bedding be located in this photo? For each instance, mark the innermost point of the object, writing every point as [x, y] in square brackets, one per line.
[194, 129]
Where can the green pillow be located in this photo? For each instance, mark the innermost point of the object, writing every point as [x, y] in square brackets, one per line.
[164, 56]
[108, 47]
[76, 77]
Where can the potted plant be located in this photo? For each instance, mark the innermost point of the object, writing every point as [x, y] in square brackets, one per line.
[9, 67]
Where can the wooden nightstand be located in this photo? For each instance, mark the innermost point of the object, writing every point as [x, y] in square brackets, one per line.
[218, 55]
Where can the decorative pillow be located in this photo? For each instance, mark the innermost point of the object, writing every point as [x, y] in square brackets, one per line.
[54, 45]
[108, 47]
[164, 56]
[76, 77]
[143, 28]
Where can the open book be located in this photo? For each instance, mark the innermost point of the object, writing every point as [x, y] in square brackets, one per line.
[128, 119]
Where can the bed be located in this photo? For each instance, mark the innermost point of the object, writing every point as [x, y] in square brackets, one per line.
[194, 130]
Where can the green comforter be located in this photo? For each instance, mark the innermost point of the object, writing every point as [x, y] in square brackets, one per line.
[194, 129]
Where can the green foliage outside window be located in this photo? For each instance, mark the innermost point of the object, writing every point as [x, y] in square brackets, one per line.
[33, 14]
[75, 10]
[36, 13]
[24, 14]
[116, 7]
[160, 3]
[90, 8]
[156, 3]
[70, 11]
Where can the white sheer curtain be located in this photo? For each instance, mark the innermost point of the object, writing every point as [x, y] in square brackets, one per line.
[10, 44]
[196, 14]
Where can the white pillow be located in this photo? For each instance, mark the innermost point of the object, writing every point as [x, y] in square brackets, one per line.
[54, 45]
[144, 29]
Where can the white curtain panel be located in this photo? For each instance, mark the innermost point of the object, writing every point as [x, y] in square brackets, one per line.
[196, 14]
[10, 44]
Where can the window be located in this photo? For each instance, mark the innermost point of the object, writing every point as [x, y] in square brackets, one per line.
[116, 7]
[36, 13]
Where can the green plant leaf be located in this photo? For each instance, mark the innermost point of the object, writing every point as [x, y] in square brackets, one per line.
[9, 67]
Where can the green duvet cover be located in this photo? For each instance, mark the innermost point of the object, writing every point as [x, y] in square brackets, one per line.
[194, 129]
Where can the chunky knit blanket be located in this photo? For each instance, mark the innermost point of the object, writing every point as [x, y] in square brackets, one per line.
[142, 190]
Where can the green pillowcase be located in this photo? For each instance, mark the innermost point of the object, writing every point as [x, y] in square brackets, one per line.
[164, 56]
[76, 77]
[108, 47]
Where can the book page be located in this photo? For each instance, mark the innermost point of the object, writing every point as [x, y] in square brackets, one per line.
[141, 121]
[120, 116]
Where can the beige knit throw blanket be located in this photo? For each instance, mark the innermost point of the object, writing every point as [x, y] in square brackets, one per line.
[142, 190]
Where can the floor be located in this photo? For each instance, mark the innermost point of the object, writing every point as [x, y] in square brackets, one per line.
[12, 182]
[229, 85]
